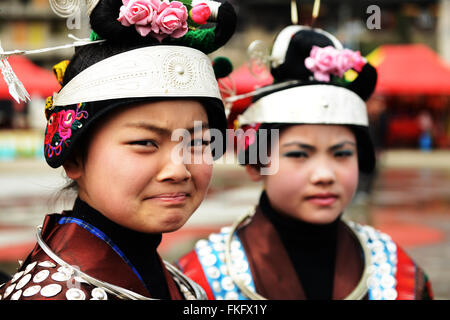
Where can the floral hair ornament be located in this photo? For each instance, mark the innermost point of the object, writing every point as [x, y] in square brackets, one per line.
[328, 60]
[160, 19]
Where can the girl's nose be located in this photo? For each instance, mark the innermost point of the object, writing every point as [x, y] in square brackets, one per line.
[323, 174]
[173, 171]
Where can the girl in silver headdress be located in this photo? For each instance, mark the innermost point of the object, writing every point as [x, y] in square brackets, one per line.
[110, 127]
[295, 244]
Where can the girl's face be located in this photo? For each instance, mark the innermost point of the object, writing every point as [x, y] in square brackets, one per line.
[130, 174]
[317, 172]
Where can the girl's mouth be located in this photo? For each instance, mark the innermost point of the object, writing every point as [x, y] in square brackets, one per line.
[171, 198]
[325, 199]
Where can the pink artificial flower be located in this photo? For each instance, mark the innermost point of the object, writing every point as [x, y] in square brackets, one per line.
[321, 62]
[65, 123]
[344, 62]
[171, 20]
[141, 13]
[200, 13]
[358, 61]
[329, 60]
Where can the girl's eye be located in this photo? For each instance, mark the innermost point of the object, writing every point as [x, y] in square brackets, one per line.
[343, 153]
[296, 154]
[144, 143]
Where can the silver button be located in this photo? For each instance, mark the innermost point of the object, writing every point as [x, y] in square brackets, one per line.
[241, 266]
[235, 245]
[22, 282]
[51, 290]
[16, 295]
[209, 260]
[219, 246]
[9, 290]
[214, 237]
[47, 264]
[376, 294]
[232, 295]
[389, 294]
[99, 294]
[225, 229]
[227, 283]
[372, 282]
[75, 294]
[237, 255]
[61, 277]
[245, 278]
[41, 276]
[30, 267]
[201, 243]
[385, 268]
[66, 270]
[16, 276]
[31, 291]
[213, 272]
[387, 281]
[216, 286]
[204, 251]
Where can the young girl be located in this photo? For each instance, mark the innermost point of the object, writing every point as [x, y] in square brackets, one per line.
[110, 127]
[295, 243]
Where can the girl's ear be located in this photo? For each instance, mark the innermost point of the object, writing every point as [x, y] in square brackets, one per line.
[253, 172]
[73, 168]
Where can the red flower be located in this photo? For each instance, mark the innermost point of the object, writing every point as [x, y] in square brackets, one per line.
[52, 127]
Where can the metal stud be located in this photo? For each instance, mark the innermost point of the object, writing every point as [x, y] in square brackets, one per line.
[41, 276]
[99, 294]
[22, 282]
[29, 267]
[227, 283]
[9, 290]
[75, 294]
[51, 290]
[213, 272]
[16, 276]
[31, 291]
[16, 295]
[209, 260]
[61, 277]
[66, 270]
[231, 296]
[201, 243]
[47, 264]
[216, 286]
[389, 294]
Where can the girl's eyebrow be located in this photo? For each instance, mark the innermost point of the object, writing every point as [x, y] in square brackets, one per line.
[312, 148]
[160, 130]
[342, 144]
[299, 144]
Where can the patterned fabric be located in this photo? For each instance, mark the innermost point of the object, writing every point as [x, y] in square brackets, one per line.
[99, 234]
[393, 275]
[60, 127]
[211, 254]
[85, 249]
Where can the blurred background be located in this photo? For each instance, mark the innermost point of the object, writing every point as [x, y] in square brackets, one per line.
[409, 195]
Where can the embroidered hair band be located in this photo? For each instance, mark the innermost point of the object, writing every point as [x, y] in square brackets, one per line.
[155, 71]
[309, 104]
